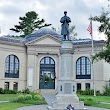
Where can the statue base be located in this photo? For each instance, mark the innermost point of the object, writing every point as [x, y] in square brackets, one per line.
[62, 101]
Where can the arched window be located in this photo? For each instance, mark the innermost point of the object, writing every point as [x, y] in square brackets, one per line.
[47, 60]
[83, 68]
[12, 66]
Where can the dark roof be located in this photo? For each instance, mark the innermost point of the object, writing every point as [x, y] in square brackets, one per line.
[86, 41]
[45, 31]
[41, 32]
[11, 39]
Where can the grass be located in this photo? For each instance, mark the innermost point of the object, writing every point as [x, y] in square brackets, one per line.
[96, 101]
[98, 98]
[16, 101]
[102, 105]
[4, 97]
[11, 106]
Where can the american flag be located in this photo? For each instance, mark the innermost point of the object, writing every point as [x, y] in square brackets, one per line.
[90, 28]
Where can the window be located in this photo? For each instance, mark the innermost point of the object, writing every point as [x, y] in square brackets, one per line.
[47, 61]
[6, 85]
[12, 66]
[83, 68]
[78, 86]
[87, 85]
[15, 86]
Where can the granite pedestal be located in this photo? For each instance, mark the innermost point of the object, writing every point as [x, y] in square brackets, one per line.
[66, 84]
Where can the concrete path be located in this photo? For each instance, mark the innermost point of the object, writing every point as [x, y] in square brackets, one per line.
[50, 98]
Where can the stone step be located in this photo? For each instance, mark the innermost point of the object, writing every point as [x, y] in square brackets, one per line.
[47, 91]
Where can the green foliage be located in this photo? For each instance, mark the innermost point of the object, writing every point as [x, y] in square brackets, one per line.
[28, 97]
[88, 101]
[82, 99]
[88, 92]
[29, 23]
[104, 27]
[26, 91]
[85, 92]
[47, 78]
[106, 91]
[11, 105]
[7, 91]
[73, 33]
[32, 98]
[1, 91]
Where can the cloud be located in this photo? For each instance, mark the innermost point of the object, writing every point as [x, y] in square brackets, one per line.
[51, 11]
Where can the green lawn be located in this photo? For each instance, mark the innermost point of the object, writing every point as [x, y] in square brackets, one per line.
[7, 96]
[11, 106]
[103, 106]
[98, 99]
[14, 105]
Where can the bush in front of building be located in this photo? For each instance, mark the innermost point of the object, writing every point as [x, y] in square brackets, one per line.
[26, 91]
[30, 99]
[1, 91]
[85, 92]
[88, 101]
[88, 92]
[7, 91]
[106, 91]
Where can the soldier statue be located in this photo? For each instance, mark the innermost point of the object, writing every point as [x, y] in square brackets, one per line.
[65, 20]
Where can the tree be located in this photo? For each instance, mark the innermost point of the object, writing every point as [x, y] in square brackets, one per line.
[72, 30]
[29, 23]
[104, 27]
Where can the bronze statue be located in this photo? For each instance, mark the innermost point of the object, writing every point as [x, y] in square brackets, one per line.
[65, 26]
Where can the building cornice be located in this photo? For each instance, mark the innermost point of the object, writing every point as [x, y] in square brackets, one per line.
[12, 43]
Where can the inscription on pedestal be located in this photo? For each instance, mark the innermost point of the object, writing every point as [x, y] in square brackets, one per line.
[67, 88]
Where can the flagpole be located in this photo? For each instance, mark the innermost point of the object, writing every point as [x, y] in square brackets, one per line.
[92, 61]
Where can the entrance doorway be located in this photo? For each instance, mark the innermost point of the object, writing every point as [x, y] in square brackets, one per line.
[47, 73]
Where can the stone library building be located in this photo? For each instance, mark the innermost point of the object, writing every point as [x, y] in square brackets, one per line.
[33, 62]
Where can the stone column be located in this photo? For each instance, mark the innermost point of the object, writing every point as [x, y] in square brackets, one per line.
[30, 72]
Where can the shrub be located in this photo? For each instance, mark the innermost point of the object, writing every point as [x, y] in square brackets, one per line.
[89, 102]
[85, 92]
[26, 91]
[90, 99]
[19, 99]
[28, 97]
[1, 91]
[82, 99]
[88, 92]
[106, 91]
[98, 93]
[37, 97]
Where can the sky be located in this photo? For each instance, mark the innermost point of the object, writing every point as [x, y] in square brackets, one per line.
[52, 10]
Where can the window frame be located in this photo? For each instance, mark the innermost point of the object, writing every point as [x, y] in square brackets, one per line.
[87, 86]
[83, 68]
[15, 88]
[12, 66]
[7, 85]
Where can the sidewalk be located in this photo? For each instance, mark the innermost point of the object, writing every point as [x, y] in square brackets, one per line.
[44, 107]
